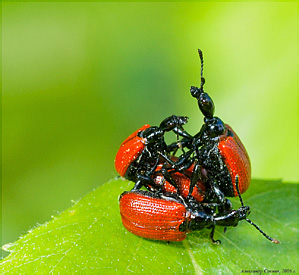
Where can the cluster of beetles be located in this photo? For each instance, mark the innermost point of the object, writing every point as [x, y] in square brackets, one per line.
[183, 186]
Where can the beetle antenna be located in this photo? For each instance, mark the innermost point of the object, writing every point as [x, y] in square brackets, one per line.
[237, 187]
[262, 232]
[249, 221]
[202, 80]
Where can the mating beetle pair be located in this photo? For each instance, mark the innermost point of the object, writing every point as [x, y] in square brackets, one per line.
[187, 192]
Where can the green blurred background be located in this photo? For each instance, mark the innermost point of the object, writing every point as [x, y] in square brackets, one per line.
[78, 78]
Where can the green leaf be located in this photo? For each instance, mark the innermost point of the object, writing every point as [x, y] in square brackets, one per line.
[90, 237]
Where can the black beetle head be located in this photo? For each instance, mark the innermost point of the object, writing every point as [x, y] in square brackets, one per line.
[151, 134]
[172, 122]
[243, 212]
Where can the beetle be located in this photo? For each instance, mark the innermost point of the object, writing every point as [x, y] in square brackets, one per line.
[216, 152]
[140, 154]
[142, 158]
[168, 217]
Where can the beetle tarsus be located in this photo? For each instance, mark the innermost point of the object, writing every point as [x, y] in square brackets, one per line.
[212, 236]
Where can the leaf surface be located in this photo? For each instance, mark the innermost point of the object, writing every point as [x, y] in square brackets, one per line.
[89, 237]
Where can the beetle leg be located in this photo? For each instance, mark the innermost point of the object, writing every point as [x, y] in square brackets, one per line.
[181, 164]
[169, 178]
[173, 147]
[195, 177]
[226, 206]
[147, 182]
[154, 167]
[171, 162]
[182, 133]
[212, 236]
[215, 191]
[184, 162]
[137, 186]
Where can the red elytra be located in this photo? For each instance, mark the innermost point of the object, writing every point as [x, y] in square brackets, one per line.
[129, 150]
[183, 183]
[236, 160]
[152, 218]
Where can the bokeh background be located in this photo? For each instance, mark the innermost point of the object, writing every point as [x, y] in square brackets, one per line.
[78, 78]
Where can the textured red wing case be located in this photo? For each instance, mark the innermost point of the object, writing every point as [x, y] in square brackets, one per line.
[129, 150]
[236, 159]
[152, 218]
[183, 183]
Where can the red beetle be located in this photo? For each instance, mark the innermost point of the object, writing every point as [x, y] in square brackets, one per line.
[169, 218]
[132, 148]
[141, 153]
[215, 158]
[149, 216]
[216, 152]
